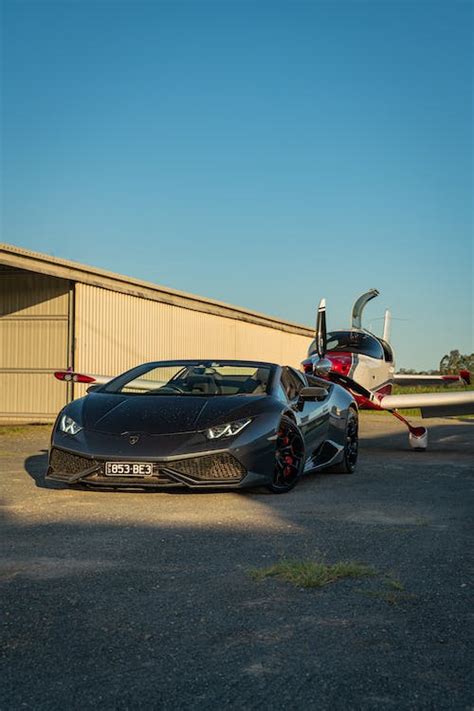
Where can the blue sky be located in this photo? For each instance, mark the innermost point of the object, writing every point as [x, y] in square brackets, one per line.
[261, 153]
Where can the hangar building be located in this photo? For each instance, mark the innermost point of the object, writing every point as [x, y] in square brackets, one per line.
[56, 314]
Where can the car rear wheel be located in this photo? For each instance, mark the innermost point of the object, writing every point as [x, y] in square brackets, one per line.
[351, 446]
[289, 457]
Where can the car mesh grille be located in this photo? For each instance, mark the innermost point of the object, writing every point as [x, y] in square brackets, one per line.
[69, 464]
[214, 467]
[65, 466]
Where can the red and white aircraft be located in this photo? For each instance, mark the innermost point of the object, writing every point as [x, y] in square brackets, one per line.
[365, 364]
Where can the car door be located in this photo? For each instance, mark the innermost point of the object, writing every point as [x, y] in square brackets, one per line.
[312, 416]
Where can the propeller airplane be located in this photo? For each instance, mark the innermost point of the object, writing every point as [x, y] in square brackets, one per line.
[365, 365]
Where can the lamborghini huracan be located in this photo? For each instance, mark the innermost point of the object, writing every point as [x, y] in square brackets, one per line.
[205, 423]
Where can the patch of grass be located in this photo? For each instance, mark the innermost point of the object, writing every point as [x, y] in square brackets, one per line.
[390, 530]
[391, 597]
[311, 574]
[423, 522]
[394, 584]
[316, 574]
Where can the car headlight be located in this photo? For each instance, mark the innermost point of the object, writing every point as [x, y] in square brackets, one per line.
[67, 425]
[228, 430]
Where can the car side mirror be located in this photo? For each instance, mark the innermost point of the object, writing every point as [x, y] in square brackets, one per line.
[91, 388]
[313, 393]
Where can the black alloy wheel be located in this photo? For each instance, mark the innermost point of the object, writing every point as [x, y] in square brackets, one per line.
[351, 446]
[289, 457]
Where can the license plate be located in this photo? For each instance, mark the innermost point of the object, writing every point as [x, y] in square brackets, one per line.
[128, 469]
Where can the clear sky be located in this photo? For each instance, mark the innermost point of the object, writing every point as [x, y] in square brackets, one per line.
[261, 153]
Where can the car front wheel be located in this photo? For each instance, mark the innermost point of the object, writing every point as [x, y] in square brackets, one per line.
[351, 445]
[289, 457]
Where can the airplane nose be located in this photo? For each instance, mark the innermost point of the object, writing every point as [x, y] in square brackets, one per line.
[341, 362]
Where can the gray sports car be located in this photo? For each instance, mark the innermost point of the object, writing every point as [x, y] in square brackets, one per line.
[203, 423]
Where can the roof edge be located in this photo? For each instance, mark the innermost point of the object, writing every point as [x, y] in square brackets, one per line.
[21, 258]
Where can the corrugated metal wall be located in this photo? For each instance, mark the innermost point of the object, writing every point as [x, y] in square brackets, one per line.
[117, 331]
[112, 331]
[33, 342]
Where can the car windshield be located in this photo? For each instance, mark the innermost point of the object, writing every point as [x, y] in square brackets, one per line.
[202, 379]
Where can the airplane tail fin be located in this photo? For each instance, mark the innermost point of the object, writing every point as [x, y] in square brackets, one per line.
[387, 323]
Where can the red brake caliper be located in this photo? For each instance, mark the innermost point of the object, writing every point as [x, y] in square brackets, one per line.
[288, 459]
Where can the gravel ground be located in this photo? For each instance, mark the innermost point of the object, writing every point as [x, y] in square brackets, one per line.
[144, 600]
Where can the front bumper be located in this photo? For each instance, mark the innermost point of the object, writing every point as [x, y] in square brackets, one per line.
[216, 469]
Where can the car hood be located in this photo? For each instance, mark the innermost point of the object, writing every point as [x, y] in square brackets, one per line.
[161, 414]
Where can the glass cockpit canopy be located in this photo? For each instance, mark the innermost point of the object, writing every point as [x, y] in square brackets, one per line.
[352, 342]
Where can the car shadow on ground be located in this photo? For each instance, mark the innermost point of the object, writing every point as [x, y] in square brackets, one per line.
[36, 466]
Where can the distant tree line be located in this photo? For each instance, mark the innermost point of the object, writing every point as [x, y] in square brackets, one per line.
[455, 361]
[413, 371]
[452, 362]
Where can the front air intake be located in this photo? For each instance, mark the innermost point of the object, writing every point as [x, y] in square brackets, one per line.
[215, 467]
[68, 464]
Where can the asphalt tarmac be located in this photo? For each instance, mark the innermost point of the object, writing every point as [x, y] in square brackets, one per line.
[130, 600]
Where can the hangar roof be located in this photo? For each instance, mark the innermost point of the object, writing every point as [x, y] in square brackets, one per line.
[19, 258]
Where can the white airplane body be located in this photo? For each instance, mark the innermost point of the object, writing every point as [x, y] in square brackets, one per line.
[365, 365]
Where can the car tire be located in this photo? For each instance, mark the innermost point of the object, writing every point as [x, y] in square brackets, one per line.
[348, 463]
[289, 457]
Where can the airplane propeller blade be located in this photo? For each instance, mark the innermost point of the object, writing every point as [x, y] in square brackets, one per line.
[321, 331]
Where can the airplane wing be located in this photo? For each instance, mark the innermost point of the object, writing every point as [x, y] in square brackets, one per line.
[464, 378]
[432, 404]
